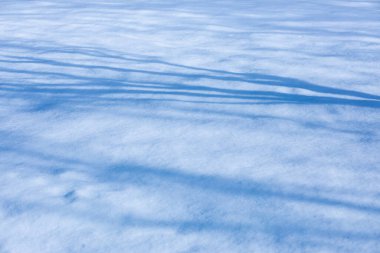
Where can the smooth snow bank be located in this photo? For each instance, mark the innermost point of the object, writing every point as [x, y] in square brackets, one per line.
[189, 126]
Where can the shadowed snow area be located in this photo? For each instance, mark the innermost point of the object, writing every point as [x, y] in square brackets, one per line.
[189, 126]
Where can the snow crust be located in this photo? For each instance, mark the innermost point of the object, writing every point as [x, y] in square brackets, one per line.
[189, 126]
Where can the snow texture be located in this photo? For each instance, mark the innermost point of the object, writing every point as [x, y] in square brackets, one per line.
[189, 126]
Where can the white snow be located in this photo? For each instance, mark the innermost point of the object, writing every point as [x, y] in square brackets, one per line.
[189, 126]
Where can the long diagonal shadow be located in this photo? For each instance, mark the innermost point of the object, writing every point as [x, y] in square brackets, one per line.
[254, 78]
[127, 85]
[106, 86]
[224, 185]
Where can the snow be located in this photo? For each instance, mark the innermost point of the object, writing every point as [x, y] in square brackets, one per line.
[189, 126]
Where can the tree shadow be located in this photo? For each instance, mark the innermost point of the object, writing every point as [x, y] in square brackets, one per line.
[282, 228]
[237, 187]
[176, 83]
[58, 82]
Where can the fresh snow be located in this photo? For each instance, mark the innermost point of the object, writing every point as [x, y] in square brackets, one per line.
[189, 126]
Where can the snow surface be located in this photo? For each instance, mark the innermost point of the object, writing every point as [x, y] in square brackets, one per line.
[189, 126]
